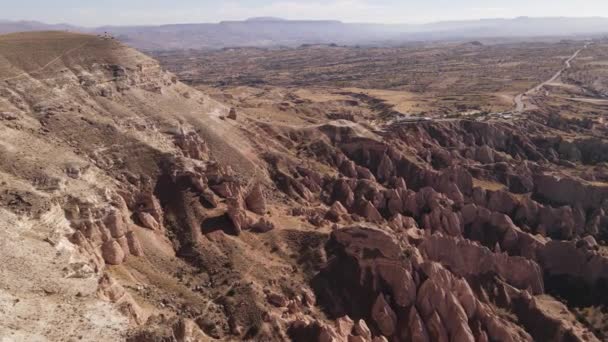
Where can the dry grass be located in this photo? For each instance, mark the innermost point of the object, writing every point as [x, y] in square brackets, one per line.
[27, 52]
[488, 185]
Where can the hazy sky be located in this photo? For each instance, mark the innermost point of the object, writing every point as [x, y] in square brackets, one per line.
[130, 12]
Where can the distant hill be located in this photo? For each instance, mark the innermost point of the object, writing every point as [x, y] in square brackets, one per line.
[7, 26]
[271, 32]
[265, 19]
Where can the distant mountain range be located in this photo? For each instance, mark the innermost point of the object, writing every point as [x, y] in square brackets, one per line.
[273, 32]
[7, 26]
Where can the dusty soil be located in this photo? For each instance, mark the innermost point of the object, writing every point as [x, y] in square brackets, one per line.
[436, 79]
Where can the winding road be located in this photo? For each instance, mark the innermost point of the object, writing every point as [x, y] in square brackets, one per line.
[520, 105]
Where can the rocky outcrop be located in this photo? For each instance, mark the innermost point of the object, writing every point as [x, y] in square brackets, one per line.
[571, 265]
[113, 292]
[566, 190]
[112, 252]
[344, 329]
[466, 258]
[427, 302]
[263, 225]
[369, 212]
[255, 200]
[192, 145]
[105, 234]
[384, 316]
[237, 215]
[186, 330]
[232, 114]
[148, 221]
[496, 229]
[336, 212]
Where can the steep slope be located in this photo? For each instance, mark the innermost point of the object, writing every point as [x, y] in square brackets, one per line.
[80, 116]
[148, 211]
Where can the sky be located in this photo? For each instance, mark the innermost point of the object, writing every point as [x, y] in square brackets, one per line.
[155, 12]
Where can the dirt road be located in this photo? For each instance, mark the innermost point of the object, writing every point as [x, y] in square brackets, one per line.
[520, 105]
[44, 67]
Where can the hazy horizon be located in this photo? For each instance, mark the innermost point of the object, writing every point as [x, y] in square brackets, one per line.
[271, 18]
[159, 12]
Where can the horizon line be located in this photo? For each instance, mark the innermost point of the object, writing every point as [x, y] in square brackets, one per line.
[278, 19]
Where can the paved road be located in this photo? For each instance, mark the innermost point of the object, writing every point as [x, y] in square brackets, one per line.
[520, 105]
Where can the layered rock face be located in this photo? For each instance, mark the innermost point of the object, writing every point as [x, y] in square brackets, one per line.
[198, 228]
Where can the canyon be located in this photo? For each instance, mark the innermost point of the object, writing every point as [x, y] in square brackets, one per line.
[135, 206]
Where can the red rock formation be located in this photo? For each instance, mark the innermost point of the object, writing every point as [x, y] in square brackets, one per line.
[255, 200]
[466, 258]
[237, 215]
[566, 190]
[113, 292]
[373, 267]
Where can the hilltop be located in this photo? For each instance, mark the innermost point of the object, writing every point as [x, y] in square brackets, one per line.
[265, 19]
